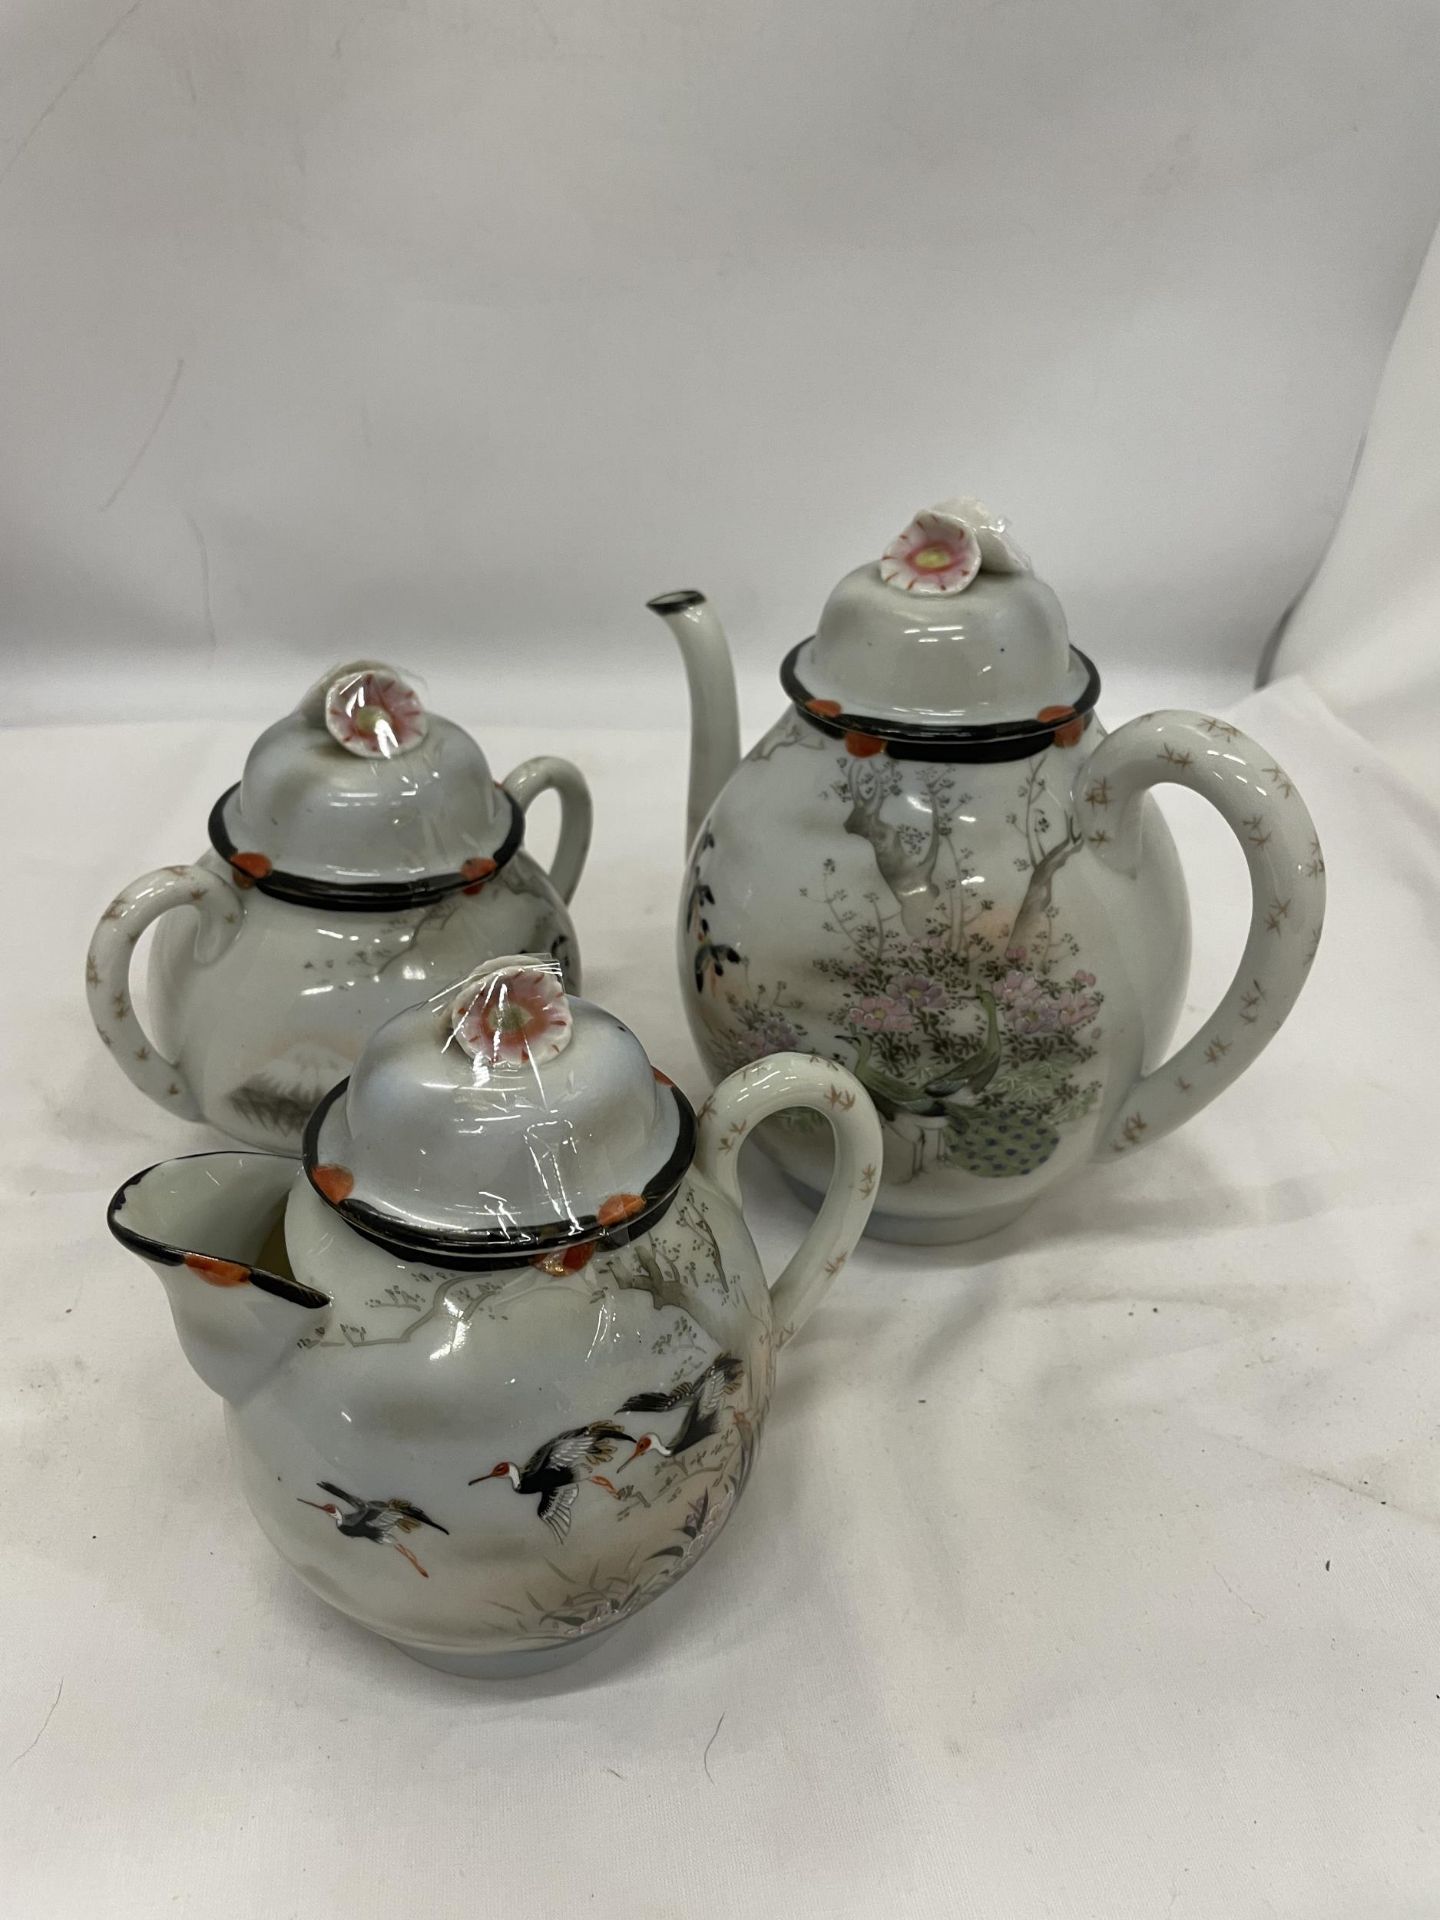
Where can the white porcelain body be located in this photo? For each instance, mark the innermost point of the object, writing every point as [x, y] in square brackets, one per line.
[414, 1381]
[863, 907]
[259, 1006]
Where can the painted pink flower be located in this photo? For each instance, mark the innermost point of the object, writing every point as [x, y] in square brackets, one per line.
[878, 1013]
[513, 1017]
[373, 713]
[1028, 1008]
[1032, 1006]
[1082, 979]
[1036, 1016]
[917, 991]
[774, 1034]
[937, 553]
[1076, 1009]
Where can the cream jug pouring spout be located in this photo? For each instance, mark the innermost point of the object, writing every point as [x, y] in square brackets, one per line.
[211, 1227]
[714, 709]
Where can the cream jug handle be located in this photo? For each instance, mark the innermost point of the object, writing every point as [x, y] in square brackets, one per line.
[534, 777]
[107, 970]
[736, 1108]
[1264, 810]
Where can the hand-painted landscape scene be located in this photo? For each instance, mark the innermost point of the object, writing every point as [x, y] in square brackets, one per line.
[956, 997]
[612, 1507]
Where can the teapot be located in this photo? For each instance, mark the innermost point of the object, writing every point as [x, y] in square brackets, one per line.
[365, 858]
[939, 870]
[496, 1351]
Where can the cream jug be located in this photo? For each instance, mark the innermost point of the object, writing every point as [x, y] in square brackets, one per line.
[496, 1354]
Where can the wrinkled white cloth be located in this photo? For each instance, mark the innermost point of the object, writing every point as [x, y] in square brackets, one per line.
[1090, 1571]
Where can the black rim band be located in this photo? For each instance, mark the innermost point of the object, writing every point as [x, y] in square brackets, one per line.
[169, 1255]
[904, 740]
[490, 1251]
[372, 896]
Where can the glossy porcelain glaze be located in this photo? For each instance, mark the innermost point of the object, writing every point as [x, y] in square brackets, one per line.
[492, 1464]
[977, 909]
[353, 871]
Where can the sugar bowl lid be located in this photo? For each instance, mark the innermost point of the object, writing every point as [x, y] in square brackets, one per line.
[948, 635]
[501, 1122]
[362, 797]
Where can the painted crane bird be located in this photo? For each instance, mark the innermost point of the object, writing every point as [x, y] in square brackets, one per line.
[378, 1520]
[556, 1470]
[703, 1400]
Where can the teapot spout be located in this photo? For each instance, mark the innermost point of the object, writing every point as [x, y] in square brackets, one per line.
[714, 710]
[211, 1227]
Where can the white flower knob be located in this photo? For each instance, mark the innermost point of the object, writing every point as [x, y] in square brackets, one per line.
[945, 547]
[370, 711]
[514, 1014]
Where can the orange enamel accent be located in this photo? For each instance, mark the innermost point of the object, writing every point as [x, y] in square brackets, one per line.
[477, 872]
[336, 1183]
[217, 1273]
[863, 745]
[827, 708]
[566, 1259]
[1067, 724]
[620, 1206]
[250, 867]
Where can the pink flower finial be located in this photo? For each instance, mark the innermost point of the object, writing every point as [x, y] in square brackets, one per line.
[943, 549]
[937, 553]
[513, 1015]
[371, 711]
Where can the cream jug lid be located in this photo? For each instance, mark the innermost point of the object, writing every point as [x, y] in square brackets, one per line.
[500, 1122]
[361, 797]
[947, 637]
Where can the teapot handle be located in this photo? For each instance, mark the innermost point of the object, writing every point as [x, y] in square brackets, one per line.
[541, 775]
[1264, 811]
[739, 1104]
[107, 971]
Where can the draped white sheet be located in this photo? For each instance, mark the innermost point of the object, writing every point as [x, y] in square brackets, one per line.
[1092, 1571]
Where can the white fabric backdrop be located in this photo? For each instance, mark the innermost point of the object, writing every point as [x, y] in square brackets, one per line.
[1090, 1573]
[454, 328]
[1366, 630]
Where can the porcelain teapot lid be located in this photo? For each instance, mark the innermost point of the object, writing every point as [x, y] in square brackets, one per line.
[500, 1122]
[948, 633]
[361, 797]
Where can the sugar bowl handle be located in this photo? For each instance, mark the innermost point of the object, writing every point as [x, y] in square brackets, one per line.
[107, 970]
[534, 777]
[1264, 811]
[736, 1108]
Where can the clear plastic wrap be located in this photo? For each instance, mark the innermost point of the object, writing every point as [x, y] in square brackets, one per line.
[410, 804]
[501, 1120]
